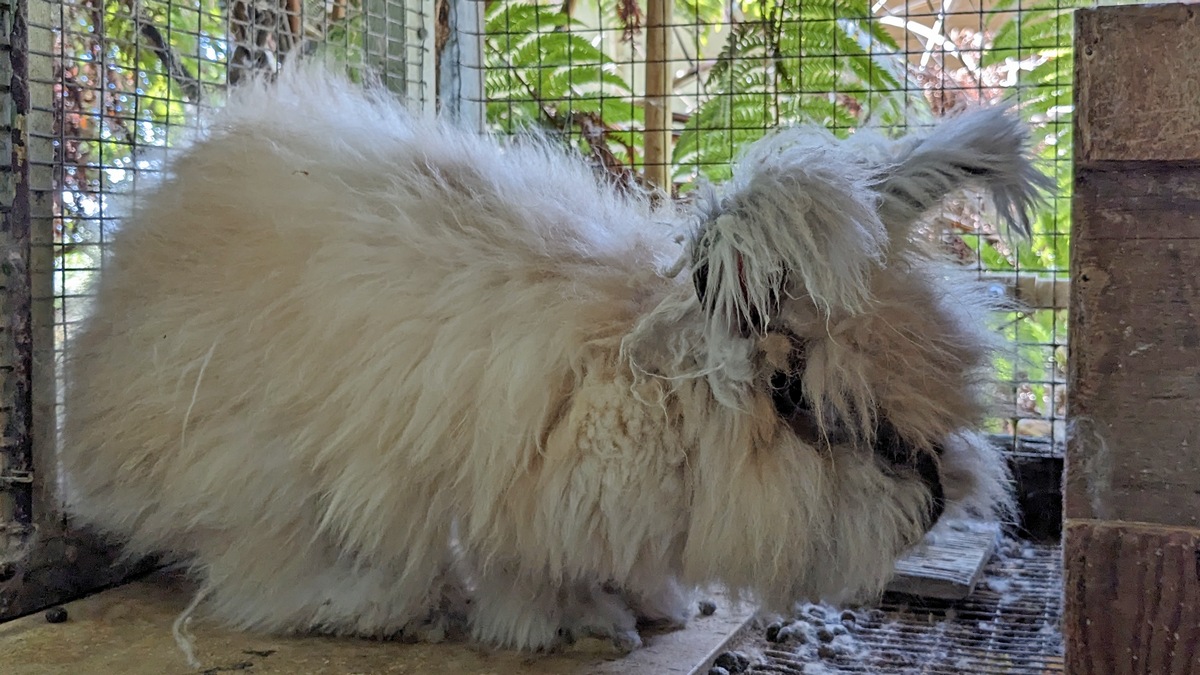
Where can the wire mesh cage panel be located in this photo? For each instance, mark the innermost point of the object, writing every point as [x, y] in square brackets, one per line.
[129, 77]
[104, 89]
[655, 93]
[1010, 626]
[668, 93]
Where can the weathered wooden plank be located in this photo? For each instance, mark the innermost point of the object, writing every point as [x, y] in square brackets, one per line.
[43, 561]
[1132, 532]
[1130, 200]
[949, 564]
[127, 631]
[16, 350]
[1134, 333]
[1131, 601]
[1134, 103]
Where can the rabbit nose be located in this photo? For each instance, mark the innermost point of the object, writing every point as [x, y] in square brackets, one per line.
[902, 458]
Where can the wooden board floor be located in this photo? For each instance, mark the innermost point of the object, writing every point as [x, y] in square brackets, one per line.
[127, 631]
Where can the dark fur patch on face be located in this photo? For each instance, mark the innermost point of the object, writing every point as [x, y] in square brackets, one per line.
[758, 319]
[787, 390]
[787, 394]
[754, 324]
[793, 407]
[900, 458]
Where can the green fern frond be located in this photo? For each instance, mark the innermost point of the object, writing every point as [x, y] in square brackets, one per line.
[542, 62]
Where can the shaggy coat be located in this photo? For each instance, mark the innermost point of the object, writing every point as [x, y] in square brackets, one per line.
[367, 374]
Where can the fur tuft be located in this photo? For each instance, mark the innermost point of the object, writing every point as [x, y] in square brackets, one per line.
[796, 210]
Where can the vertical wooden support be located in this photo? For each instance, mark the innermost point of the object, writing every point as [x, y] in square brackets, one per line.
[16, 350]
[423, 52]
[658, 93]
[460, 93]
[399, 45]
[1132, 503]
[43, 559]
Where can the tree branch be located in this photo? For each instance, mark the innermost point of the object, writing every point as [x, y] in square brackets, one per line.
[169, 60]
[593, 131]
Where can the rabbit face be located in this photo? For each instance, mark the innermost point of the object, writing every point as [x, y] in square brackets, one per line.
[899, 380]
[870, 352]
[859, 441]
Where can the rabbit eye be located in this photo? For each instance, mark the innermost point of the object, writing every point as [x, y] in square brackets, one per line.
[787, 393]
[793, 407]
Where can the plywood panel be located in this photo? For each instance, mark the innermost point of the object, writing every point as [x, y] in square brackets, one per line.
[1137, 103]
[1135, 345]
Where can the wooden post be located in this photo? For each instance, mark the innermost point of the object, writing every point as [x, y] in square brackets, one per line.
[658, 94]
[44, 560]
[460, 94]
[1132, 502]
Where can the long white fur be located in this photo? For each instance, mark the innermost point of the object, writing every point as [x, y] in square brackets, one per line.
[797, 206]
[381, 335]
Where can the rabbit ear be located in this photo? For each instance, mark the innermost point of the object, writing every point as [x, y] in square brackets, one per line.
[988, 147]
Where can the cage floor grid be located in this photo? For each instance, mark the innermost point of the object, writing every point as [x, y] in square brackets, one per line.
[1009, 626]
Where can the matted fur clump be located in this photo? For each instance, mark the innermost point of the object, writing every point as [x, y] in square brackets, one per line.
[370, 375]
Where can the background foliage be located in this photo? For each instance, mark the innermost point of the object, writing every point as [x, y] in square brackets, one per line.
[830, 62]
[127, 74]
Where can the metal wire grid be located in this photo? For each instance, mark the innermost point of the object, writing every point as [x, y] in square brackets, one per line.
[1009, 626]
[112, 86]
[121, 82]
[584, 69]
[126, 77]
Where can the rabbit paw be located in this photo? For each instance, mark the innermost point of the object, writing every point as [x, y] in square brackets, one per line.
[513, 612]
[603, 614]
[669, 605]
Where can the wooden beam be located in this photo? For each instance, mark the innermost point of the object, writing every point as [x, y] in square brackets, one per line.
[460, 93]
[43, 559]
[1134, 334]
[1135, 324]
[1132, 493]
[1132, 75]
[1132, 594]
[658, 94]
[949, 563]
[1032, 291]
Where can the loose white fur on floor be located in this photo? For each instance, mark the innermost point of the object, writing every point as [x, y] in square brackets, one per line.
[367, 374]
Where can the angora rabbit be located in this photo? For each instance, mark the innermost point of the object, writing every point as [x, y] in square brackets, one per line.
[362, 372]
